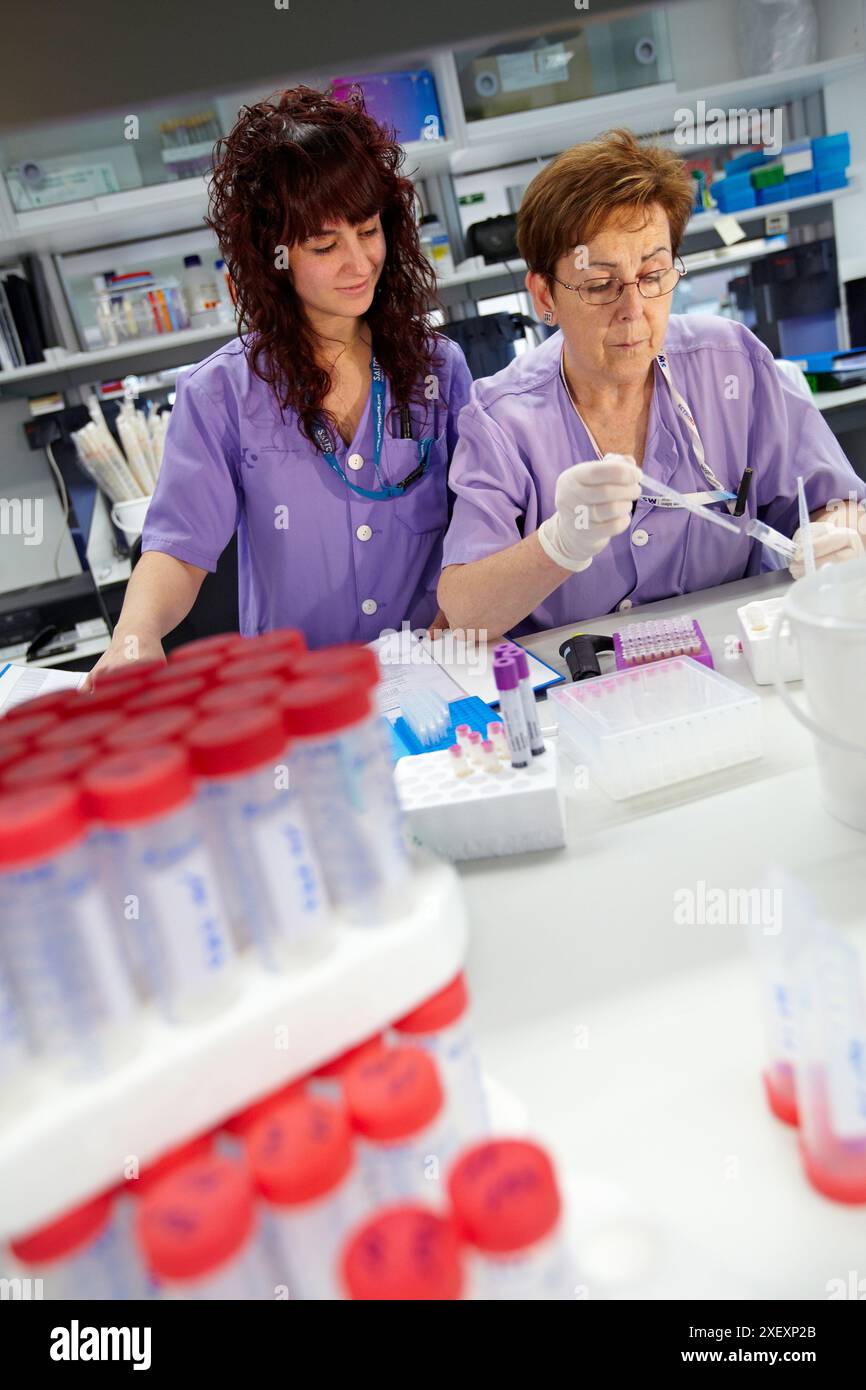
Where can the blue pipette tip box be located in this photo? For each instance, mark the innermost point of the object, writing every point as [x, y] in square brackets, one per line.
[471, 711]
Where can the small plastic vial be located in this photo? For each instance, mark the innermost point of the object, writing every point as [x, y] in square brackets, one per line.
[48, 768]
[341, 756]
[461, 733]
[61, 949]
[474, 748]
[496, 734]
[145, 730]
[169, 692]
[327, 1081]
[403, 1253]
[82, 1255]
[458, 763]
[396, 1106]
[198, 1234]
[160, 879]
[303, 1164]
[257, 829]
[489, 760]
[442, 1027]
[507, 1208]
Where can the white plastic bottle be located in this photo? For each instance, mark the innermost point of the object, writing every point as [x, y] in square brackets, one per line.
[442, 1027]
[303, 1165]
[197, 1232]
[403, 1253]
[258, 831]
[341, 759]
[58, 941]
[406, 1140]
[200, 293]
[81, 1255]
[507, 1208]
[161, 883]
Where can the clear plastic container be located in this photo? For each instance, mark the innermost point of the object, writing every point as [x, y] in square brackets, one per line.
[198, 1233]
[161, 880]
[507, 1208]
[406, 1139]
[139, 310]
[443, 1028]
[639, 730]
[404, 1253]
[58, 940]
[261, 845]
[303, 1164]
[82, 1256]
[343, 765]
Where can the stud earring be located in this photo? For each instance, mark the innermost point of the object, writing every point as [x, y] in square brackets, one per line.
[548, 316]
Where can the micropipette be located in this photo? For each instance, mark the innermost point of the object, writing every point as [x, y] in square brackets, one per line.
[653, 485]
[774, 540]
[806, 540]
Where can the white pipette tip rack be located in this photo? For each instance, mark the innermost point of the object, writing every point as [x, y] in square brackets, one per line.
[70, 1142]
[757, 620]
[484, 815]
[652, 726]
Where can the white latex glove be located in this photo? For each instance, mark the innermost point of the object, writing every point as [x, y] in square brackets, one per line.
[832, 543]
[593, 503]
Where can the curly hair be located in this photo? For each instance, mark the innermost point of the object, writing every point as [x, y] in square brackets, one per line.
[290, 165]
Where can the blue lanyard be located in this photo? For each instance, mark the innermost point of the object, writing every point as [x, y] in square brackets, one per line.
[387, 490]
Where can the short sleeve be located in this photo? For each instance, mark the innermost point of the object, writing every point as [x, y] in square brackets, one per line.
[459, 389]
[789, 437]
[492, 489]
[195, 507]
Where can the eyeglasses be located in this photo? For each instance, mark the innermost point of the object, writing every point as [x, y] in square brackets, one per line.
[608, 290]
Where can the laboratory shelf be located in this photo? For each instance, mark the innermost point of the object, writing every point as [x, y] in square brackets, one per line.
[74, 1140]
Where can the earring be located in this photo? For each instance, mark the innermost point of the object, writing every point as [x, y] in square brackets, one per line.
[548, 316]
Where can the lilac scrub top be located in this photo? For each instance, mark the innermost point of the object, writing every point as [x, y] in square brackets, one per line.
[520, 431]
[312, 554]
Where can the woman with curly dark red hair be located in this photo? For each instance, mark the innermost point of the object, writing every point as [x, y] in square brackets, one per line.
[324, 433]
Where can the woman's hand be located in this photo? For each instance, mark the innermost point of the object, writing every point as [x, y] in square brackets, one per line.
[593, 504]
[832, 544]
[126, 649]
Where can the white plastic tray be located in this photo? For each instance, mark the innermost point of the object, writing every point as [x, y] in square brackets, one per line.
[74, 1141]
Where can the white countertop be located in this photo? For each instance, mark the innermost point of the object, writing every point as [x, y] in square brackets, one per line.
[634, 1042]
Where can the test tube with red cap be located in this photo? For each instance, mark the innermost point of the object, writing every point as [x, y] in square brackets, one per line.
[831, 1066]
[81, 1255]
[258, 831]
[404, 1253]
[327, 1080]
[346, 781]
[406, 1139]
[303, 1165]
[160, 880]
[235, 1130]
[57, 936]
[442, 1027]
[198, 1233]
[507, 1209]
[138, 1181]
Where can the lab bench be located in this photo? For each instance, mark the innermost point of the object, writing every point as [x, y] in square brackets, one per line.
[635, 1043]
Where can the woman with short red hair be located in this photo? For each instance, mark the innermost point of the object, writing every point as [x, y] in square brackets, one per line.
[550, 523]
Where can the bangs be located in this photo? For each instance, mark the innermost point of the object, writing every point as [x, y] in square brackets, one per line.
[332, 185]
